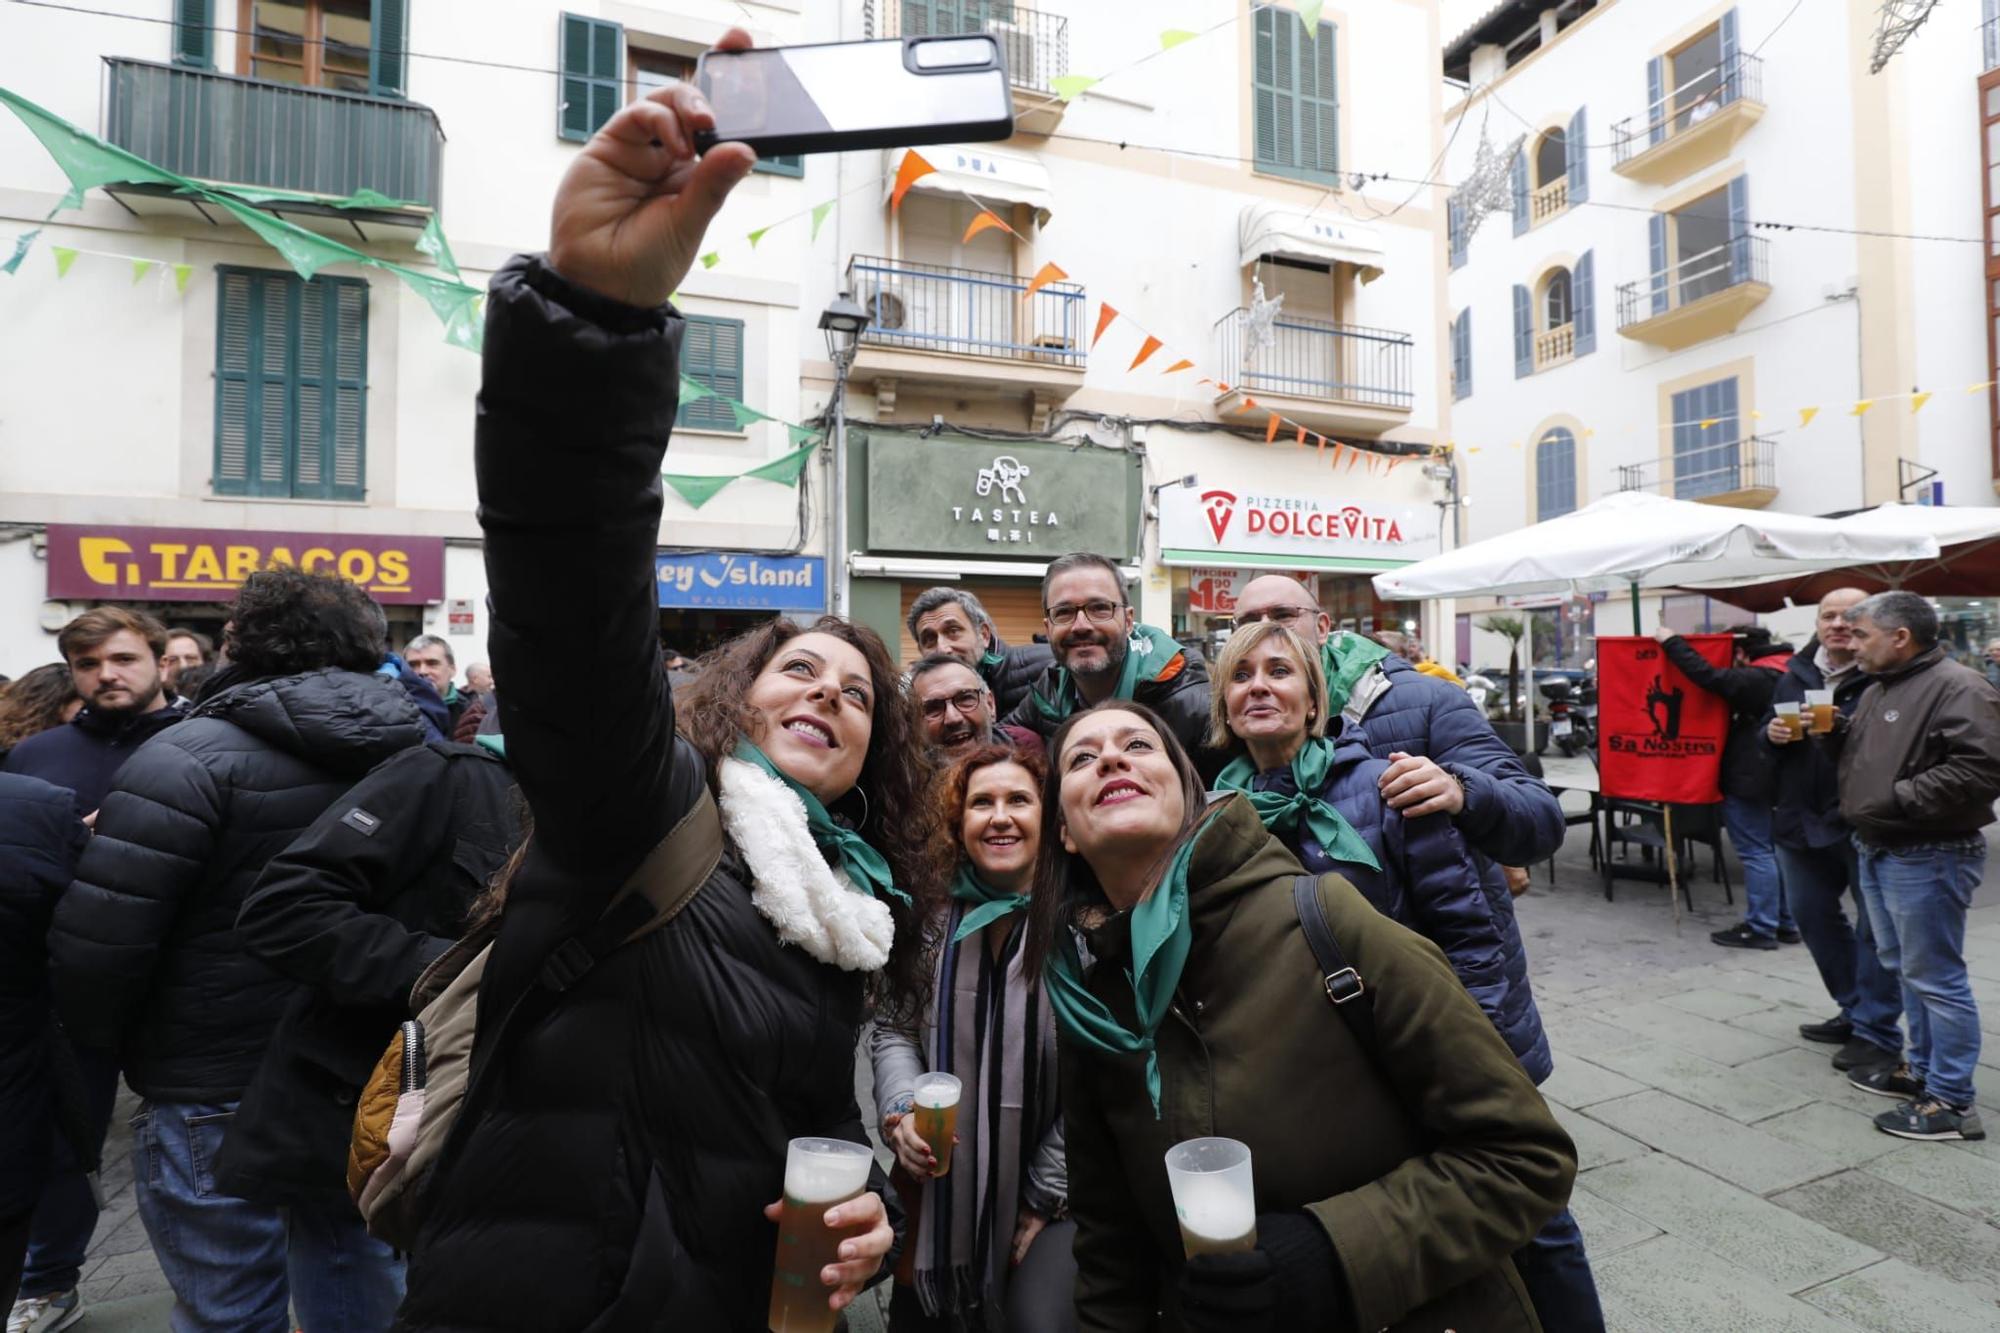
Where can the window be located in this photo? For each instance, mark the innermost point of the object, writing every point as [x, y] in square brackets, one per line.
[1694, 81]
[1555, 473]
[926, 18]
[1707, 440]
[1461, 354]
[353, 46]
[1989, 32]
[291, 386]
[1454, 219]
[1551, 161]
[1556, 295]
[712, 355]
[593, 72]
[1702, 247]
[1293, 98]
[1555, 307]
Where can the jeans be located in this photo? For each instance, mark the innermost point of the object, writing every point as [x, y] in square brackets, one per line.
[1917, 899]
[240, 1265]
[1869, 998]
[1041, 1293]
[1749, 825]
[66, 1214]
[1556, 1272]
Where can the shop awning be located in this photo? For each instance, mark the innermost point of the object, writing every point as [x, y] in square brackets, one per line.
[1267, 231]
[985, 174]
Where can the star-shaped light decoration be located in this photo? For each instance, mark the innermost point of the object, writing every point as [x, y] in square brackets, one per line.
[1260, 321]
[1490, 187]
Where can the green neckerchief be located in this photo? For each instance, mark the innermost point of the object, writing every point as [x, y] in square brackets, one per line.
[1346, 658]
[496, 743]
[1281, 813]
[452, 696]
[866, 868]
[1147, 653]
[991, 658]
[1160, 938]
[989, 904]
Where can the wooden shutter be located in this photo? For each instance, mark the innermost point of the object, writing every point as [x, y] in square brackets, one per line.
[1271, 95]
[1318, 103]
[194, 33]
[1739, 230]
[1576, 149]
[347, 388]
[1524, 332]
[592, 86]
[712, 355]
[313, 434]
[1583, 296]
[291, 386]
[1656, 246]
[1454, 214]
[389, 35]
[1730, 57]
[1656, 100]
[235, 349]
[1520, 182]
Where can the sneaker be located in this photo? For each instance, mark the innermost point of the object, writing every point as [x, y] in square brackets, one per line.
[1789, 935]
[1860, 1053]
[1931, 1119]
[44, 1314]
[1833, 1032]
[1742, 937]
[1887, 1080]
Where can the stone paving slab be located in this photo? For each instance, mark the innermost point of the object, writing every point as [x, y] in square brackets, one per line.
[1810, 1072]
[1704, 1036]
[1738, 1095]
[1596, 1144]
[1919, 1231]
[1839, 1132]
[1971, 1186]
[1668, 1285]
[1781, 1023]
[1716, 1003]
[1894, 1295]
[1578, 1083]
[1736, 1153]
[1587, 1037]
[1606, 1227]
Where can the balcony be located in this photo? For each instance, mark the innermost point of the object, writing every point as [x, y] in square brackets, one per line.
[1703, 296]
[1555, 347]
[1549, 200]
[310, 145]
[1740, 473]
[1034, 44]
[929, 323]
[1693, 126]
[1326, 376]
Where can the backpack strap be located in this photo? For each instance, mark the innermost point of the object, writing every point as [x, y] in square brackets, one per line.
[1342, 984]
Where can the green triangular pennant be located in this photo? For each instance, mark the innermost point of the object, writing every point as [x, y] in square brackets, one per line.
[745, 415]
[697, 491]
[711, 259]
[140, 268]
[1309, 11]
[819, 215]
[1173, 37]
[693, 391]
[757, 236]
[433, 243]
[22, 244]
[784, 470]
[64, 258]
[182, 273]
[800, 434]
[1069, 87]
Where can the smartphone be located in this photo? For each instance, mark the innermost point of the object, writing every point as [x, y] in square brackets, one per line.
[840, 95]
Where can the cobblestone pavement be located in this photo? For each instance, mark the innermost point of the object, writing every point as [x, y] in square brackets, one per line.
[1730, 1179]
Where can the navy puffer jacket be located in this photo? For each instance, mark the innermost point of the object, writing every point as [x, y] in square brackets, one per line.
[1433, 882]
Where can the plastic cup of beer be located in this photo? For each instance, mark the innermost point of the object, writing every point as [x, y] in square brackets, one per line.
[1213, 1197]
[1788, 713]
[819, 1173]
[936, 1113]
[1819, 703]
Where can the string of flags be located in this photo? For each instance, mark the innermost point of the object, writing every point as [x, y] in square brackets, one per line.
[698, 490]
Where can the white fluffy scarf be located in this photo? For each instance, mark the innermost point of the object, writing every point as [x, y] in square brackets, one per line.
[812, 905]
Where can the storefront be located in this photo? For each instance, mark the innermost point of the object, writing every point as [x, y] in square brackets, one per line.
[709, 596]
[984, 515]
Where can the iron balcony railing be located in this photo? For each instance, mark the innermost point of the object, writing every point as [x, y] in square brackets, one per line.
[1705, 469]
[933, 308]
[279, 136]
[1989, 43]
[1740, 259]
[1315, 358]
[1035, 44]
[1740, 78]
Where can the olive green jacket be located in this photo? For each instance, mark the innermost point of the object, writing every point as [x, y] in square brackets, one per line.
[1428, 1165]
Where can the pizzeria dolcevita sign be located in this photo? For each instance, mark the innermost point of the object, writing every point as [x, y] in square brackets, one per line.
[1221, 519]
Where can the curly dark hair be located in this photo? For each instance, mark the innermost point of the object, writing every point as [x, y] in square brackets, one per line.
[286, 621]
[34, 703]
[896, 813]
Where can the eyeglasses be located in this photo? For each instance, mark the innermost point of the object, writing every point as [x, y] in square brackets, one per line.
[965, 701]
[1282, 615]
[1099, 612]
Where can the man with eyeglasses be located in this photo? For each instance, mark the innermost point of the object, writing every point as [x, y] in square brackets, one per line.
[957, 708]
[951, 620]
[1102, 652]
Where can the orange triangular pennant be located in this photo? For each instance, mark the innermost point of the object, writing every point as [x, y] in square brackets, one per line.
[1249, 404]
[1302, 437]
[1353, 457]
[912, 170]
[1044, 275]
[986, 221]
[1271, 430]
[1322, 445]
[1177, 367]
[1337, 447]
[1105, 314]
[1146, 349]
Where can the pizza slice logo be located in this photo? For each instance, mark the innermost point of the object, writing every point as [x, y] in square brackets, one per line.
[1219, 507]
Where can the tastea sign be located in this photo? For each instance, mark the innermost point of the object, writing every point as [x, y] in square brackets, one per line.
[1329, 525]
[205, 565]
[1019, 500]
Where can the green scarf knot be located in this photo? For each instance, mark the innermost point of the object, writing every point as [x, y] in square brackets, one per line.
[1147, 654]
[867, 869]
[1346, 658]
[990, 904]
[1283, 814]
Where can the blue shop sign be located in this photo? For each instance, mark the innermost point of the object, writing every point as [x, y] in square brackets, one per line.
[736, 581]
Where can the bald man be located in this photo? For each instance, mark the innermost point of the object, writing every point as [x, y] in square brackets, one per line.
[1816, 857]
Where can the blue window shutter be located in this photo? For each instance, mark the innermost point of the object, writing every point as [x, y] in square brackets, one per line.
[1465, 335]
[591, 87]
[389, 35]
[1730, 58]
[1555, 473]
[1583, 293]
[1656, 100]
[1524, 332]
[1739, 230]
[712, 355]
[1656, 245]
[1576, 147]
[194, 33]
[1520, 175]
[1454, 215]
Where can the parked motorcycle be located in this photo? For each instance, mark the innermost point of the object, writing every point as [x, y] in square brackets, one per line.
[1572, 714]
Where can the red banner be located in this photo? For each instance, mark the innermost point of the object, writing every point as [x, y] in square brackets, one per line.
[1660, 735]
[205, 565]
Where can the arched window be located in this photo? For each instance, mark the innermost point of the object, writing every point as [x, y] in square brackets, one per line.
[1555, 473]
[1558, 301]
[1551, 159]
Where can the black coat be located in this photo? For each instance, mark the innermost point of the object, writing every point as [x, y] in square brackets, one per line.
[1806, 776]
[40, 838]
[637, 1131]
[355, 910]
[85, 754]
[146, 957]
[1181, 698]
[1019, 667]
[1746, 758]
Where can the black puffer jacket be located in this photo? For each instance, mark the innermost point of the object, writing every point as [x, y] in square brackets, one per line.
[617, 1176]
[355, 910]
[1746, 759]
[1806, 777]
[1019, 667]
[144, 949]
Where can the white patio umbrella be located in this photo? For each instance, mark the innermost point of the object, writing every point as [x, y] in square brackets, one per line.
[1968, 562]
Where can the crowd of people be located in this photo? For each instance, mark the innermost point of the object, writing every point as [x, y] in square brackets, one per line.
[517, 1031]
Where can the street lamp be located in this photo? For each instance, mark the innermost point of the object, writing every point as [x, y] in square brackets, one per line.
[1448, 474]
[842, 323]
[1191, 480]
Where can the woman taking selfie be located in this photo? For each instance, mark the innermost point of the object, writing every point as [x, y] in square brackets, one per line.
[989, 1248]
[624, 1171]
[1322, 798]
[1395, 1174]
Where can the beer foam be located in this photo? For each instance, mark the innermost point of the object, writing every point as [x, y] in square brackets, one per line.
[823, 1181]
[1213, 1208]
[934, 1094]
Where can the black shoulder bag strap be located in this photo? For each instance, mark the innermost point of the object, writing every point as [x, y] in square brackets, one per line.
[1342, 984]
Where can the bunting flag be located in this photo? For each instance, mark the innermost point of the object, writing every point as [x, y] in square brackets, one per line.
[433, 244]
[747, 416]
[1069, 87]
[1806, 414]
[1980, 387]
[1322, 445]
[1044, 275]
[913, 169]
[1146, 349]
[756, 236]
[986, 221]
[711, 259]
[182, 274]
[1861, 407]
[699, 490]
[1302, 437]
[1105, 314]
[1248, 404]
[1353, 457]
[1917, 401]
[800, 434]
[1710, 421]
[22, 244]
[1173, 37]
[65, 256]
[1337, 447]
[1309, 11]
[819, 216]
[1271, 429]
[140, 268]
[1178, 366]
[693, 390]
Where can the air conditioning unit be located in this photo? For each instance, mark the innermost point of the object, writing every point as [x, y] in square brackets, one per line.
[885, 307]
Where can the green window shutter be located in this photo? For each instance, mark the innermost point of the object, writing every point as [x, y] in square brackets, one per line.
[347, 383]
[712, 355]
[1318, 101]
[236, 350]
[291, 386]
[592, 85]
[276, 423]
[1294, 100]
[1264, 86]
[194, 33]
[389, 35]
[332, 362]
[783, 164]
[310, 471]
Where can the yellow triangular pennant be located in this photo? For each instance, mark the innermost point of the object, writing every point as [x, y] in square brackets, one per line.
[1917, 401]
[1861, 407]
[1806, 414]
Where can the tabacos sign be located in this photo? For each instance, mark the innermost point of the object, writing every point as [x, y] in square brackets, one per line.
[1228, 519]
[204, 565]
